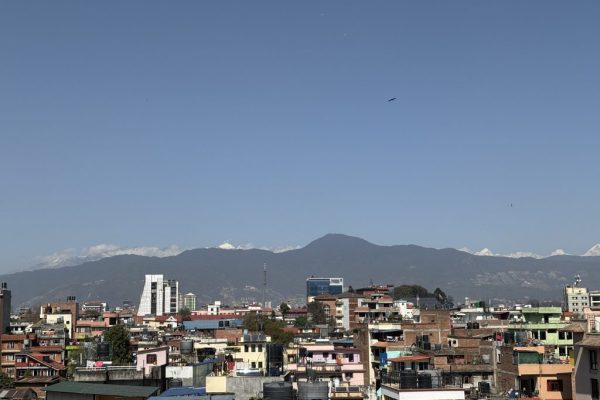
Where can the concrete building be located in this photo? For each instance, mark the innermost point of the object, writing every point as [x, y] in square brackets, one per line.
[575, 298]
[159, 296]
[587, 373]
[534, 371]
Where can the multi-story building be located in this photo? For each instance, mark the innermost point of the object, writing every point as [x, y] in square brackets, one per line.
[159, 296]
[534, 371]
[543, 326]
[330, 362]
[5, 306]
[317, 286]
[61, 313]
[587, 368]
[576, 298]
[251, 357]
[189, 301]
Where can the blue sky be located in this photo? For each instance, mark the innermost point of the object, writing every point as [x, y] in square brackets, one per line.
[191, 123]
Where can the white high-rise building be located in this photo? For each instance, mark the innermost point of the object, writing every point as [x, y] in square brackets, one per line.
[159, 296]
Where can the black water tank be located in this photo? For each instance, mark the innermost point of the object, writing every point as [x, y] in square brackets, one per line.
[313, 390]
[426, 346]
[278, 391]
[484, 387]
[408, 379]
[425, 381]
[103, 350]
[275, 353]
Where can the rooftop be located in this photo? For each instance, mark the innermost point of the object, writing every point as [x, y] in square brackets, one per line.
[102, 389]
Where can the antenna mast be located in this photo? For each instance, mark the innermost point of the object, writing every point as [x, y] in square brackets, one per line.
[264, 285]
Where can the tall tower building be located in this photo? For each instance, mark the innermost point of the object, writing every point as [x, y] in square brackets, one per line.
[159, 296]
[5, 306]
[189, 301]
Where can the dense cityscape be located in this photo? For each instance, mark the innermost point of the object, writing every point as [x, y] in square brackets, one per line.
[375, 342]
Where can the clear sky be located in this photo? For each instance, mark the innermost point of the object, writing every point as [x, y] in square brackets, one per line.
[267, 122]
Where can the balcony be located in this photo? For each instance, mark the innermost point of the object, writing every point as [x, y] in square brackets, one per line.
[349, 392]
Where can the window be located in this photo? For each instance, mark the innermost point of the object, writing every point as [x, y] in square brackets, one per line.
[245, 348]
[351, 357]
[253, 348]
[595, 391]
[260, 364]
[555, 385]
[542, 335]
[260, 348]
[151, 359]
[253, 365]
[593, 359]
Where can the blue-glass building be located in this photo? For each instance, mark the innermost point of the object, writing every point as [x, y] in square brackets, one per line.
[317, 286]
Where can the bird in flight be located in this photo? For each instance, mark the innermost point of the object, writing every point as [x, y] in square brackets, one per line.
[392, 99]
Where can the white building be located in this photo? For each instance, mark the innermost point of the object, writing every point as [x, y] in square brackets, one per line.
[159, 296]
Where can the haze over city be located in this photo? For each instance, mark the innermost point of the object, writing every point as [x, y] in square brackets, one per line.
[262, 124]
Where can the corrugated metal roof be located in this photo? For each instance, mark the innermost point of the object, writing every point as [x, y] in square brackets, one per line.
[102, 389]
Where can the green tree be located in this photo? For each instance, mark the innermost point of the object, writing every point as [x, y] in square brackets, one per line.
[6, 382]
[317, 313]
[301, 322]
[409, 291]
[440, 296]
[284, 309]
[185, 314]
[118, 337]
[273, 328]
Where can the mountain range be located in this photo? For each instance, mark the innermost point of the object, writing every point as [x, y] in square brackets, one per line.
[231, 275]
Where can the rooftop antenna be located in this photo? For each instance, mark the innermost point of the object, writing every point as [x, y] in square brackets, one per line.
[264, 284]
[577, 280]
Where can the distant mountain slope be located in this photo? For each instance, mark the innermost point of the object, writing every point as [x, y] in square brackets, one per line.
[232, 274]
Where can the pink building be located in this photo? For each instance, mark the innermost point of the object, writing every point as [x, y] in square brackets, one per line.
[149, 358]
[339, 365]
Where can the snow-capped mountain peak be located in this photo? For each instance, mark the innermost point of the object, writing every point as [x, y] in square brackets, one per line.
[593, 251]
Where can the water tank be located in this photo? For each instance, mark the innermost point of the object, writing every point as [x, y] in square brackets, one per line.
[103, 350]
[186, 347]
[426, 346]
[275, 353]
[475, 325]
[313, 390]
[408, 379]
[278, 391]
[425, 381]
[175, 382]
[484, 387]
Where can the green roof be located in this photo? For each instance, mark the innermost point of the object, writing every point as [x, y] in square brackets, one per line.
[102, 389]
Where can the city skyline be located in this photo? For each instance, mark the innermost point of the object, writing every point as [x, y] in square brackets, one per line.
[188, 125]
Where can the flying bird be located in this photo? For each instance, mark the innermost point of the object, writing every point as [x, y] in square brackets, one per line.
[392, 99]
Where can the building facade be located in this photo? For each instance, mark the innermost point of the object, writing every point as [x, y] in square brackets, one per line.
[159, 296]
[319, 286]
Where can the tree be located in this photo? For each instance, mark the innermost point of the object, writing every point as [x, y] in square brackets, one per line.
[118, 337]
[6, 382]
[317, 313]
[440, 296]
[284, 309]
[185, 314]
[409, 291]
[261, 323]
[301, 322]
